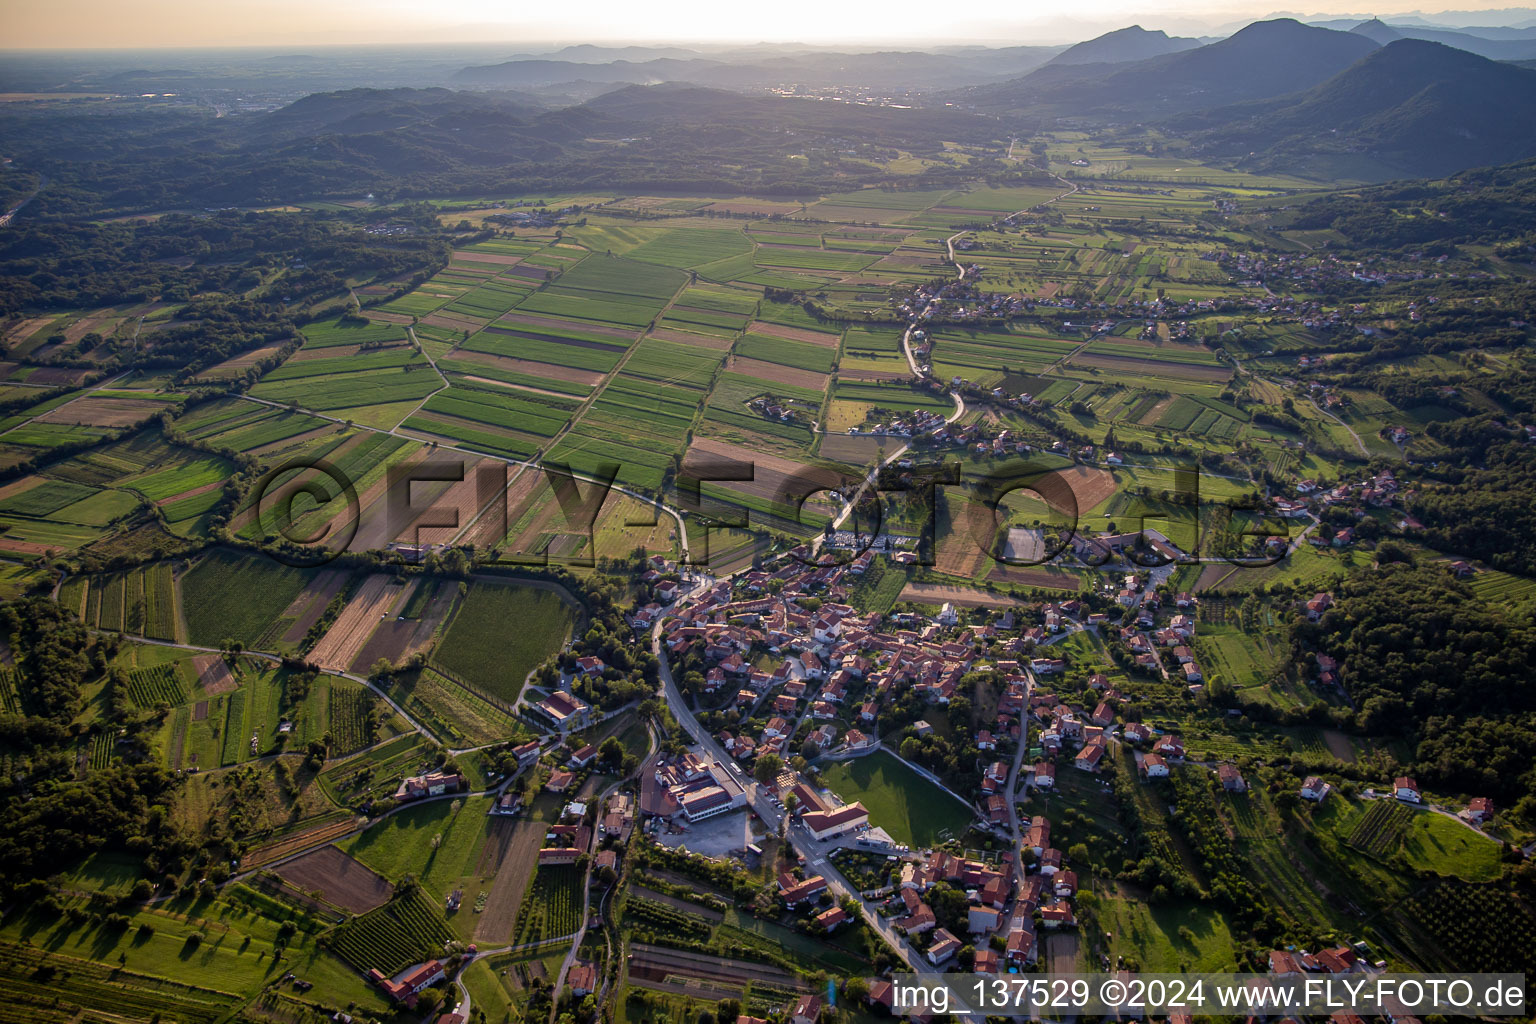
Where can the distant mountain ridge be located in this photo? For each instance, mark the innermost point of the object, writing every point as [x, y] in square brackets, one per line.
[1410, 108]
[1518, 47]
[1124, 44]
[884, 71]
[1265, 59]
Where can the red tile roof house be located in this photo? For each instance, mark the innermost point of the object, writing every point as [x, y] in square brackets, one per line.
[826, 824]
[1479, 810]
[943, 947]
[1231, 779]
[807, 1010]
[831, 918]
[435, 784]
[796, 893]
[582, 979]
[1022, 947]
[411, 982]
[1406, 790]
[1089, 757]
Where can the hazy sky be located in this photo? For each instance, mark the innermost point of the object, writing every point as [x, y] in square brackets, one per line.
[174, 23]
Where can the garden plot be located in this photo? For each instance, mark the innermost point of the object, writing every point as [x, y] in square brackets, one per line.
[340, 880]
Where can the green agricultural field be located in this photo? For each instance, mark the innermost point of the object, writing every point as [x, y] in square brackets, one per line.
[1173, 937]
[1436, 843]
[912, 809]
[691, 247]
[482, 647]
[438, 842]
[229, 596]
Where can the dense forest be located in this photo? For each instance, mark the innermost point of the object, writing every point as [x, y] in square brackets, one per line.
[1423, 657]
[70, 264]
[403, 143]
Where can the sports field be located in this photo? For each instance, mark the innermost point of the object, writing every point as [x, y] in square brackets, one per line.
[913, 810]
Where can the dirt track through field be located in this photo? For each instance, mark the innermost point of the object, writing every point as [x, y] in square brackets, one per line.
[294, 843]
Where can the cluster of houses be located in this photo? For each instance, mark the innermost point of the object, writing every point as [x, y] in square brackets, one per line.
[1012, 901]
[1380, 490]
[831, 668]
[568, 839]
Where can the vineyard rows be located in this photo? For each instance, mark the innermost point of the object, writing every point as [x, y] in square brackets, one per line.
[101, 750]
[659, 918]
[10, 698]
[150, 686]
[1479, 927]
[552, 906]
[402, 932]
[349, 710]
[235, 741]
[159, 602]
[1382, 828]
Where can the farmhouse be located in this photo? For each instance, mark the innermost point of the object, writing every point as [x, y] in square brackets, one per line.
[1231, 779]
[1406, 789]
[433, 784]
[582, 979]
[1479, 811]
[1314, 788]
[410, 983]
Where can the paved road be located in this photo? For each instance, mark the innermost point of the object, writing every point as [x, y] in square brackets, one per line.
[799, 838]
